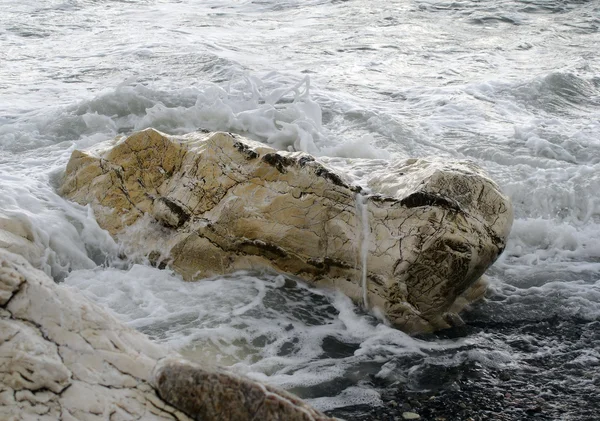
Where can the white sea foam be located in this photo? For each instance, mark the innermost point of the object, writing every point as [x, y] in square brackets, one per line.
[68, 233]
[284, 335]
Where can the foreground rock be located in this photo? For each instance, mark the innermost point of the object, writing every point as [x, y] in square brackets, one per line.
[415, 247]
[188, 385]
[62, 357]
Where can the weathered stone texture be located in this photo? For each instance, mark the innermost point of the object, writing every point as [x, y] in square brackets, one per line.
[205, 391]
[62, 357]
[220, 202]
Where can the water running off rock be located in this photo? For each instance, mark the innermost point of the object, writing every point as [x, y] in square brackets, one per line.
[362, 209]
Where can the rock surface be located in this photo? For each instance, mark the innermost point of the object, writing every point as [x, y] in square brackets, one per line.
[415, 246]
[64, 358]
[233, 397]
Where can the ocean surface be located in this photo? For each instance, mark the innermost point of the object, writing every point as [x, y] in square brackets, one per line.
[511, 85]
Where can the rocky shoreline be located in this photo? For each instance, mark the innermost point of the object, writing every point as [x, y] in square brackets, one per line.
[63, 357]
[415, 248]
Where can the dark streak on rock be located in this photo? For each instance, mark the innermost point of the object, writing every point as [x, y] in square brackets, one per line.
[457, 246]
[419, 199]
[278, 161]
[327, 262]
[383, 199]
[331, 176]
[245, 150]
[269, 249]
[302, 161]
[182, 214]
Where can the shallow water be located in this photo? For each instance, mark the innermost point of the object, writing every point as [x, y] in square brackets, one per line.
[511, 85]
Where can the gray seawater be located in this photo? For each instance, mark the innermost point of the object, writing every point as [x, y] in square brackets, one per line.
[511, 85]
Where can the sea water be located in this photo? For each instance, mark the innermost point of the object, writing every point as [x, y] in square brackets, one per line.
[511, 85]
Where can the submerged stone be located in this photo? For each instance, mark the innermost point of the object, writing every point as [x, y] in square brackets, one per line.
[211, 203]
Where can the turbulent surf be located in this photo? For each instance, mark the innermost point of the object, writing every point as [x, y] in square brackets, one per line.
[513, 86]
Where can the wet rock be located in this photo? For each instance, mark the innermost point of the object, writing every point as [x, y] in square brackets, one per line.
[425, 235]
[217, 394]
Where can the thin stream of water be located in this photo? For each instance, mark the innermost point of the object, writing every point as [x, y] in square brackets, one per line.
[362, 214]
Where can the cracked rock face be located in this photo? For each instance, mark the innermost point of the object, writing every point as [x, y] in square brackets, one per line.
[64, 358]
[415, 247]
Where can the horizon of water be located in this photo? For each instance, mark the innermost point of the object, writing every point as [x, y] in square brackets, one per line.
[512, 85]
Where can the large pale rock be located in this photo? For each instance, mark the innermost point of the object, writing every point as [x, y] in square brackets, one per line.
[64, 358]
[414, 242]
